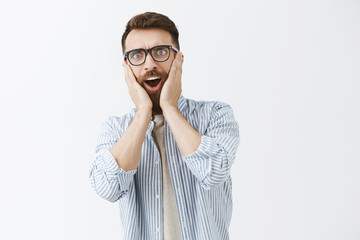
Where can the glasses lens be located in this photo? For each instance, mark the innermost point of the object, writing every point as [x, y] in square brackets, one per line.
[160, 53]
[137, 57]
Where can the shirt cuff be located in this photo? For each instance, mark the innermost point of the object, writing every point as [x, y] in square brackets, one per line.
[112, 170]
[200, 162]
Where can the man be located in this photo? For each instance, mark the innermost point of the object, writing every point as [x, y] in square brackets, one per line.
[168, 161]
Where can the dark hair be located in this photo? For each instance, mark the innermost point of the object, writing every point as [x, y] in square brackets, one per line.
[151, 20]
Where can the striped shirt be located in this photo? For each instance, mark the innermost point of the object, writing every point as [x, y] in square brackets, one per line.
[201, 180]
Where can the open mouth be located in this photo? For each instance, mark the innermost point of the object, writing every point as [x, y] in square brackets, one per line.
[153, 83]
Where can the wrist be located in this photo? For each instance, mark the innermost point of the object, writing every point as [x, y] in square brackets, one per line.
[169, 109]
[144, 113]
[168, 105]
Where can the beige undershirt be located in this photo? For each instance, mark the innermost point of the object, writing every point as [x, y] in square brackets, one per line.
[171, 225]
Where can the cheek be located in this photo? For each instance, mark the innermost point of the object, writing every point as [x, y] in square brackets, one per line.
[136, 72]
[167, 67]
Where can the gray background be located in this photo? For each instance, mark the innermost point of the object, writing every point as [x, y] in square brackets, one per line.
[289, 69]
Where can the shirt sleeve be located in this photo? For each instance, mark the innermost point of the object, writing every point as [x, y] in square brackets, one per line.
[107, 179]
[211, 162]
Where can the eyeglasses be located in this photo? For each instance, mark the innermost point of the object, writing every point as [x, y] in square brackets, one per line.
[160, 53]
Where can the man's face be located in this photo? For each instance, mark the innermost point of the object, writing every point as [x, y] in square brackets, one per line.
[150, 69]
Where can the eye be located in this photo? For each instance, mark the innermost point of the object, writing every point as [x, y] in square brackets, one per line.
[136, 55]
[162, 51]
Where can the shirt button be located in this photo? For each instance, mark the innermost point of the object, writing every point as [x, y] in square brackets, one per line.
[158, 229]
[158, 196]
[156, 162]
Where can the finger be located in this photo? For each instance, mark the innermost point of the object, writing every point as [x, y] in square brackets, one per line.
[126, 73]
[129, 75]
[180, 56]
[176, 67]
[177, 60]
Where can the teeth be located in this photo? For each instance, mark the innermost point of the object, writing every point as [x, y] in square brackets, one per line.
[152, 78]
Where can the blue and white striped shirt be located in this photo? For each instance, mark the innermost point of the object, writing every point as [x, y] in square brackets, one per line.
[201, 181]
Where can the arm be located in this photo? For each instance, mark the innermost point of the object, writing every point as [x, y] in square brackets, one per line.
[186, 137]
[107, 179]
[209, 156]
[211, 162]
[127, 150]
[118, 154]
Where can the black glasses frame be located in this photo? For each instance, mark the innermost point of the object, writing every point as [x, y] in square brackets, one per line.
[149, 50]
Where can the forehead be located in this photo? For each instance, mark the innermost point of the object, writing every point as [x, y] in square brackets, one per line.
[147, 38]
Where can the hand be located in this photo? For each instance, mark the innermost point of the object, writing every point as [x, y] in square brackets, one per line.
[138, 94]
[171, 90]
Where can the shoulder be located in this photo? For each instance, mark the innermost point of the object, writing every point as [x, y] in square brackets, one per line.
[205, 107]
[204, 114]
[119, 122]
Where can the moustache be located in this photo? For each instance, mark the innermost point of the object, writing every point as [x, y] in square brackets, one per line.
[162, 75]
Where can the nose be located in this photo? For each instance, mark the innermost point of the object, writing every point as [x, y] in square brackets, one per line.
[149, 63]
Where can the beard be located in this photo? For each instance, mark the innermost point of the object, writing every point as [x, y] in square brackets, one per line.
[154, 95]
